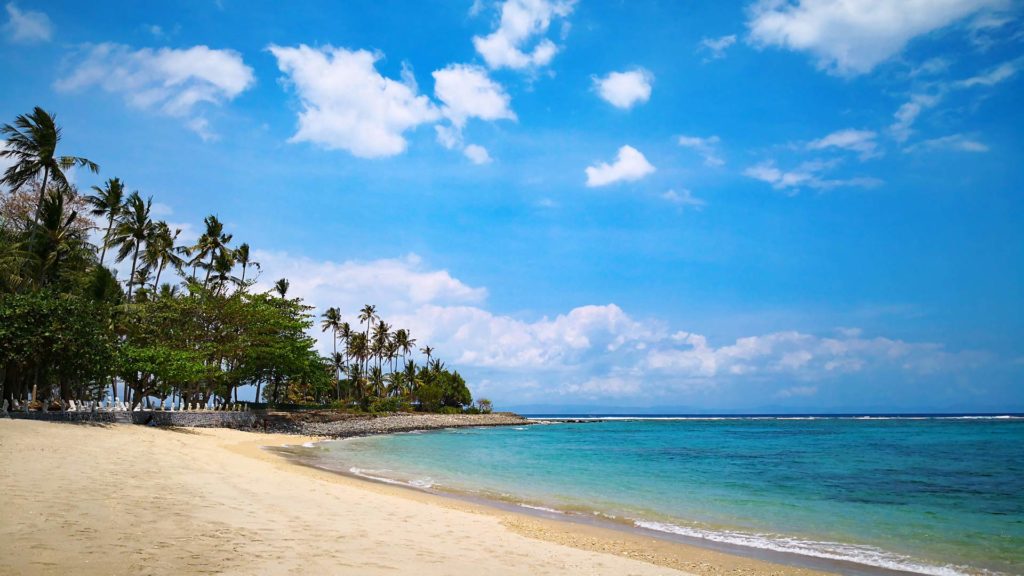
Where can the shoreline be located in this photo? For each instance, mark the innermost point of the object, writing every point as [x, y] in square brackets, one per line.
[605, 529]
[132, 499]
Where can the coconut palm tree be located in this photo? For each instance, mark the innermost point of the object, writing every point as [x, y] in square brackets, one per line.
[213, 244]
[243, 258]
[345, 333]
[281, 287]
[405, 342]
[133, 229]
[379, 343]
[107, 202]
[54, 238]
[160, 250]
[367, 314]
[427, 350]
[32, 142]
[332, 321]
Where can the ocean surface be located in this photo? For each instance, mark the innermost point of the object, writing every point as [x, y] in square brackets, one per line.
[931, 495]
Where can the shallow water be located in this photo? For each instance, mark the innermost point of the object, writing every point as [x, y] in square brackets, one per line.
[935, 495]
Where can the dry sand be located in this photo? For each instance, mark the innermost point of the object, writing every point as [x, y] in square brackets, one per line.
[122, 499]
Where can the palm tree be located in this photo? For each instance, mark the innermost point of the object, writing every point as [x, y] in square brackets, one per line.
[281, 286]
[213, 243]
[332, 321]
[160, 250]
[427, 350]
[404, 342]
[32, 143]
[345, 333]
[381, 337]
[337, 364]
[243, 258]
[132, 230]
[108, 201]
[367, 314]
[54, 238]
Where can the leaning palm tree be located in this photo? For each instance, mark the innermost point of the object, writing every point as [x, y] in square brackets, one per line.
[132, 231]
[32, 143]
[242, 257]
[107, 202]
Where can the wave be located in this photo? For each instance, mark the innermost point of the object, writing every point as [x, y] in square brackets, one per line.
[378, 476]
[859, 554]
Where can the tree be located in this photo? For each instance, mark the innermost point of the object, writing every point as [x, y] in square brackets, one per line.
[32, 142]
[161, 251]
[133, 229]
[107, 203]
[242, 257]
[427, 351]
[281, 287]
[367, 314]
[213, 243]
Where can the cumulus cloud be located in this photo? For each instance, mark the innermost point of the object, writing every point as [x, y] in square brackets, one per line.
[590, 351]
[347, 104]
[625, 89]
[706, 147]
[27, 26]
[629, 165]
[684, 198]
[169, 80]
[860, 141]
[850, 37]
[716, 47]
[957, 142]
[467, 92]
[513, 43]
[477, 154]
[806, 175]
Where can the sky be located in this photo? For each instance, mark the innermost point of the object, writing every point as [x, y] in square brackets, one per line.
[758, 205]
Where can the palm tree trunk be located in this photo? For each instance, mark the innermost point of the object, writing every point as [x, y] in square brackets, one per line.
[106, 238]
[42, 192]
[159, 269]
[207, 279]
[243, 274]
[131, 278]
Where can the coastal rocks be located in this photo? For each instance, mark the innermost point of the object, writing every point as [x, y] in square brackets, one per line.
[348, 425]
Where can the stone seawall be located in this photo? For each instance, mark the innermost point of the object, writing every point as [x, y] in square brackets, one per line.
[197, 419]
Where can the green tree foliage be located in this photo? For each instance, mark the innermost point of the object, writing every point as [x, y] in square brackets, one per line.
[70, 328]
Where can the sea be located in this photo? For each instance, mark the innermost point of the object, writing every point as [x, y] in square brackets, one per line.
[856, 494]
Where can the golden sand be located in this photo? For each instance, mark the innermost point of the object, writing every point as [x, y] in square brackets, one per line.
[122, 499]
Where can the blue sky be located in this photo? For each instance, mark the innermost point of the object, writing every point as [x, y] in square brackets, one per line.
[785, 205]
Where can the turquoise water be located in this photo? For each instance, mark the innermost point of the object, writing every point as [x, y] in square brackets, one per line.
[935, 496]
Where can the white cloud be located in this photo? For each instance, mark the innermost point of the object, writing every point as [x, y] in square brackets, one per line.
[521, 22]
[906, 115]
[625, 89]
[591, 351]
[716, 47]
[201, 126]
[957, 142]
[467, 92]
[996, 75]
[706, 147]
[173, 81]
[347, 104]
[859, 141]
[629, 165]
[684, 198]
[850, 37]
[27, 26]
[806, 175]
[477, 154]
[397, 285]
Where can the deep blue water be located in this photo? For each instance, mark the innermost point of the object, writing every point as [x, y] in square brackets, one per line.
[933, 495]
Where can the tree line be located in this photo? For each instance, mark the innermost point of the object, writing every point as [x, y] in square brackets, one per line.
[186, 324]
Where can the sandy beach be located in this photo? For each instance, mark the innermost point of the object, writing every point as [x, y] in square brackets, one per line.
[122, 499]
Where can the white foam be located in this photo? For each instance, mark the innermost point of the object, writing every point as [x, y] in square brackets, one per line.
[378, 476]
[541, 508]
[859, 554]
[309, 445]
